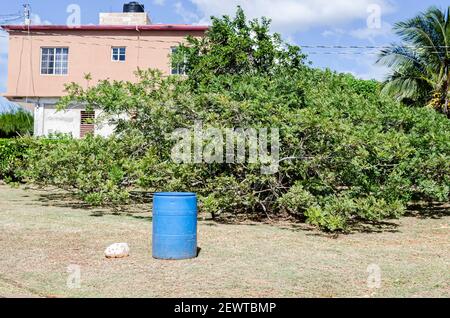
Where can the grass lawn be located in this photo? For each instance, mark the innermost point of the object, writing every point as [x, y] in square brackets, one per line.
[42, 233]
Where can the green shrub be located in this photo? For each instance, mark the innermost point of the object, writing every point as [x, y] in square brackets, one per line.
[14, 158]
[15, 124]
[348, 157]
[99, 170]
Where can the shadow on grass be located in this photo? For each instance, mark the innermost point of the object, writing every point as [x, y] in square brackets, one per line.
[69, 200]
[62, 200]
[141, 217]
[298, 224]
[428, 210]
[142, 204]
[375, 227]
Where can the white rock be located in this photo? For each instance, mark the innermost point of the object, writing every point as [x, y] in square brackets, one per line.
[117, 250]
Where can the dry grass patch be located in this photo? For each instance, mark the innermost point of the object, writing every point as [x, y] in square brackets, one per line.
[41, 234]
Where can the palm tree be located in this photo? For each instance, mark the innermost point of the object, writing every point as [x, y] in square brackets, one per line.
[420, 65]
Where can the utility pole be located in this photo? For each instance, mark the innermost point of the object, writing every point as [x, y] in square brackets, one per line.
[26, 14]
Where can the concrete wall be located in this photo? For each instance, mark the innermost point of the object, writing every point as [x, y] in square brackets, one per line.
[124, 18]
[89, 52]
[102, 124]
[67, 121]
[48, 120]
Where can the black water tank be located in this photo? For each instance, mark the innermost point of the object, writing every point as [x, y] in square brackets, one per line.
[133, 7]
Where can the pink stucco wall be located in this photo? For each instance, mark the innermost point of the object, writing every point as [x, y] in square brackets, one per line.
[89, 52]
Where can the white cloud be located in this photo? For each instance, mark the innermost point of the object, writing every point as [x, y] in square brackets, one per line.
[185, 14]
[36, 20]
[364, 67]
[294, 15]
[333, 32]
[290, 40]
[373, 71]
[372, 33]
[159, 2]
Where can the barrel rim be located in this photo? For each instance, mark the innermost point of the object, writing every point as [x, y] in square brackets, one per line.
[174, 194]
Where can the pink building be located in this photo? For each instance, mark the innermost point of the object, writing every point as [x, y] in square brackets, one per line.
[42, 58]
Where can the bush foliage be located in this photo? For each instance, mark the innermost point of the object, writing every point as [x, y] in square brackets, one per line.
[352, 156]
[16, 124]
[347, 154]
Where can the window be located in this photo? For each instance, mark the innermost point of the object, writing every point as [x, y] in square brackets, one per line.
[87, 125]
[54, 60]
[177, 67]
[118, 54]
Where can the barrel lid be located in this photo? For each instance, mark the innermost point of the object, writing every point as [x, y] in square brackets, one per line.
[174, 194]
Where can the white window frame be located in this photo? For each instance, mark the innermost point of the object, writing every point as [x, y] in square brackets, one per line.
[61, 68]
[118, 53]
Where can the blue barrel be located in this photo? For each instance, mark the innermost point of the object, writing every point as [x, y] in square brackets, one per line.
[174, 225]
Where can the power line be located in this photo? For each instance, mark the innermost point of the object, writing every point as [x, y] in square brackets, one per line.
[11, 14]
[368, 46]
[318, 48]
[10, 19]
[339, 47]
[343, 53]
[351, 47]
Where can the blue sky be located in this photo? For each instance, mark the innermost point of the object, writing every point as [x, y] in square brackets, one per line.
[302, 22]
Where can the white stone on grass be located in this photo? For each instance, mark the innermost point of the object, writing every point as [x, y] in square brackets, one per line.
[117, 250]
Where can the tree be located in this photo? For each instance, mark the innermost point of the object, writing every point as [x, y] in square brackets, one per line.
[421, 64]
[235, 46]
